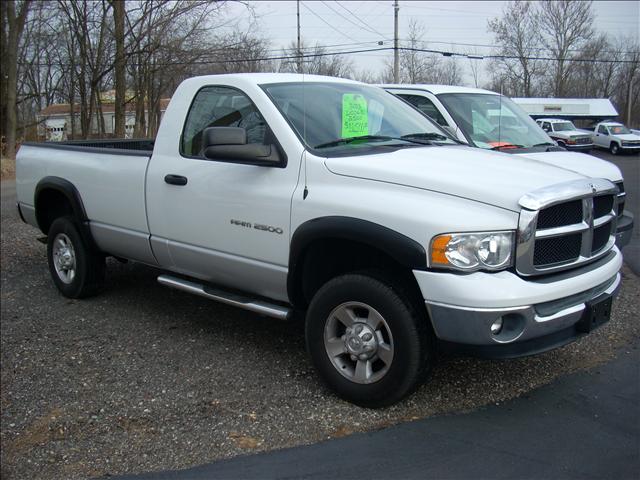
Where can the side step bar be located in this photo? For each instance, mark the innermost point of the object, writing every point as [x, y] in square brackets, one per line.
[206, 291]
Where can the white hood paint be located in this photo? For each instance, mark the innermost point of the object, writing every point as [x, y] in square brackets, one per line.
[582, 163]
[627, 137]
[498, 179]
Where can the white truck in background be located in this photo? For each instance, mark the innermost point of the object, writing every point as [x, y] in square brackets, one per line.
[488, 120]
[616, 138]
[283, 193]
[565, 133]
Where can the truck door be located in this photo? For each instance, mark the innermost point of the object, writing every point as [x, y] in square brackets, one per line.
[223, 222]
[601, 136]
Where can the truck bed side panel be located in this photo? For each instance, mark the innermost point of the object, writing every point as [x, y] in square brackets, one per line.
[111, 186]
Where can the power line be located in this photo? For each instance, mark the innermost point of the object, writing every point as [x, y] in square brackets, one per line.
[349, 52]
[363, 25]
[327, 23]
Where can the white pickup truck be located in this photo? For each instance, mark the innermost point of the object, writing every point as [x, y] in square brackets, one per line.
[616, 138]
[567, 134]
[485, 119]
[281, 193]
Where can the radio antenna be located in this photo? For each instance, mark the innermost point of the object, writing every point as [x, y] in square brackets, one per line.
[500, 118]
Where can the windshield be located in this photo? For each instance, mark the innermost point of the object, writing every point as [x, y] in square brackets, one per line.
[330, 116]
[563, 126]
[619, 130]
[493, 121]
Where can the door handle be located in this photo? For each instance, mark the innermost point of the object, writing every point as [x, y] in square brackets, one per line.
[175, 179]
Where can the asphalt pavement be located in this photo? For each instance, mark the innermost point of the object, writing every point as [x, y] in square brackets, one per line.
[583, 426]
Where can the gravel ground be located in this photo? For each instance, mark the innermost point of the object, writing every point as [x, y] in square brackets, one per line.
[143, 378]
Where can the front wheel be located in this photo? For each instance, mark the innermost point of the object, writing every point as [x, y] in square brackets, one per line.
[76, 271]
[367, 340]
[614, 148]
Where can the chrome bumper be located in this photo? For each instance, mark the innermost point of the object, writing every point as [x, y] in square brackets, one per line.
[526, 329]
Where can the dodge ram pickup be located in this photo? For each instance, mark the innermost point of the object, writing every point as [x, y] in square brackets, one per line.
[485, 119]
[336, 203]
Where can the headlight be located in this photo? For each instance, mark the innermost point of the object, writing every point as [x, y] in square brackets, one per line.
[472, 251]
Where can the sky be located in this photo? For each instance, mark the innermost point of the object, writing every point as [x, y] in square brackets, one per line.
[361, 24]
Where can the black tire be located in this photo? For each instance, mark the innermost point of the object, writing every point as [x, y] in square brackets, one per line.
[614, 148]
[561, 144]
[412, 343]
[88, 266]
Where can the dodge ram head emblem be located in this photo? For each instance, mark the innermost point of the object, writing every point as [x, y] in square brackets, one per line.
[593, 188]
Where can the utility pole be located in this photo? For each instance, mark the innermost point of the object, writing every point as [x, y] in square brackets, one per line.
[396, 59]
[629, 103]
[299, 52]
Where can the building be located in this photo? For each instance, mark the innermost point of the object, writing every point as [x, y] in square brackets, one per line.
[589, 110]
[54, 122]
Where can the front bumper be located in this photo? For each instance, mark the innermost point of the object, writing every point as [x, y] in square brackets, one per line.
[624, 229]
[579, 147]
[538, 314]
[630, 148]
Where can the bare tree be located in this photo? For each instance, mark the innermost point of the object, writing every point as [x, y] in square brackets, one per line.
[318, 61]
[517, 33]
[475, 66]
[450, 73]
[565, 25]
[627, 96]
[13, 21]
[416, 66]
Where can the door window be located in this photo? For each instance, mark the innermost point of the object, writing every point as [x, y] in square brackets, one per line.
[426, 106]
[602, 129]
[220, 107]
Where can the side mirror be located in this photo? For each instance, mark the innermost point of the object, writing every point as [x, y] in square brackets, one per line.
[229, 144]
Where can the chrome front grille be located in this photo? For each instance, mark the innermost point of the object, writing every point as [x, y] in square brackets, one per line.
[566, 225]
[622, 196]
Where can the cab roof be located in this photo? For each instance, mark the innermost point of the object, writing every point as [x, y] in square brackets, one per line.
[267, 78]
[552, 120]
[437, 89]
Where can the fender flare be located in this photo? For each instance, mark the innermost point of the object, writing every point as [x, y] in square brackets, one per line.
[404, 250]
[71, 193]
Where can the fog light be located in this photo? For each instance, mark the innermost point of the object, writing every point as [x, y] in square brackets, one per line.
[496, 327]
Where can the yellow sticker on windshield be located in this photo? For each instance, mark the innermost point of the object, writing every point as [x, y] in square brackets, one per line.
[355, 118]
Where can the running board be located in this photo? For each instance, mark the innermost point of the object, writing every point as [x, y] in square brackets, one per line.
[258, 306]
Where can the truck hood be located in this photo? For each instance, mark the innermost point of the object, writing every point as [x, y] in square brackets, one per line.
[494, 178]
[627, 136]
[587, 165]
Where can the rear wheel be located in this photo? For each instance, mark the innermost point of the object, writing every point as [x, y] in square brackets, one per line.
[614, 148]
[76, 271]
[367, 340]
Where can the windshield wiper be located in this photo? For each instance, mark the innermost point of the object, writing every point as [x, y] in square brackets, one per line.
[346, 141]
[507, 145]
[544, 144]
[425, 136]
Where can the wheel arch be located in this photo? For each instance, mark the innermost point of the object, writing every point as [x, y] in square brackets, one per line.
[324, 246]
[55, 197]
